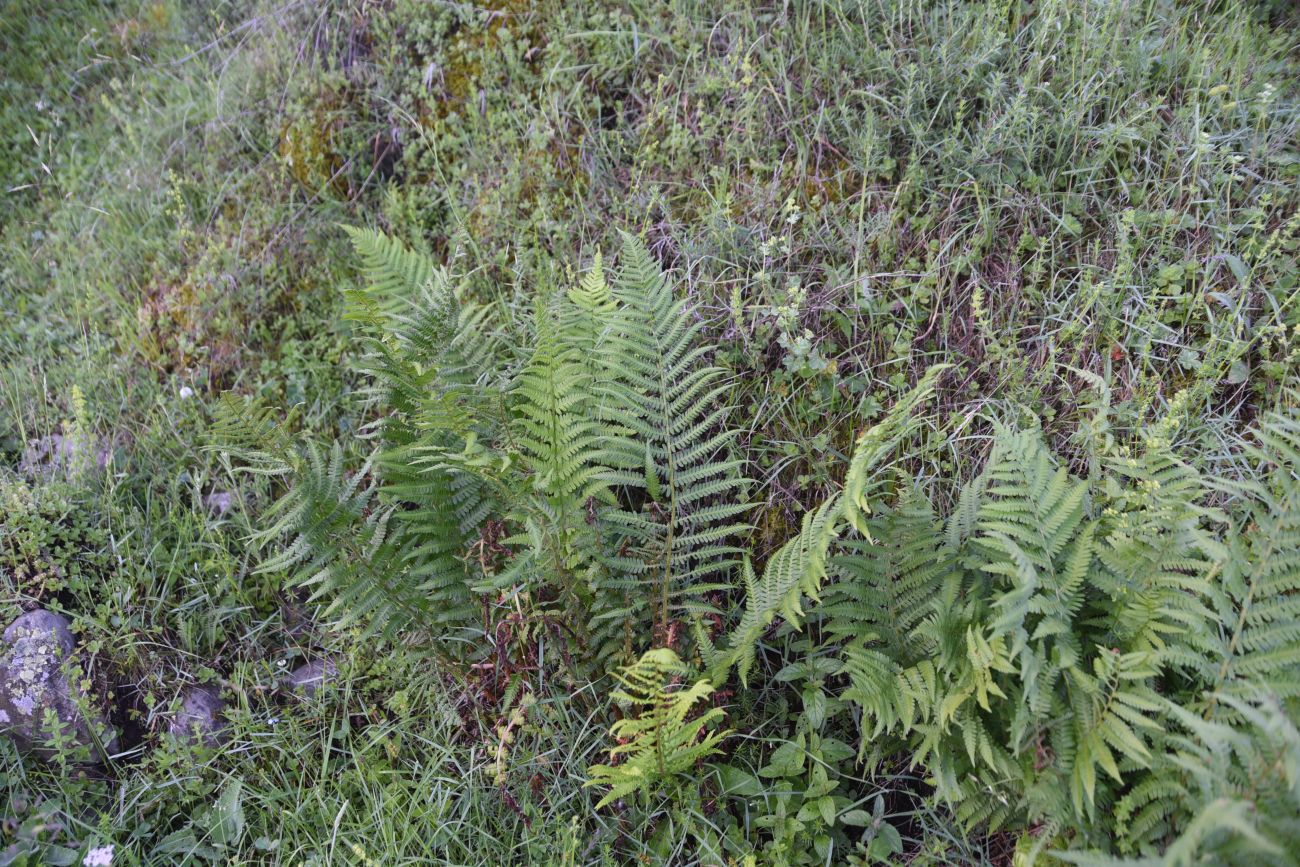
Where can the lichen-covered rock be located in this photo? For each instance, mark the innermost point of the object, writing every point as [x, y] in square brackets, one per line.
[303, 682]
[38, 703]
[200, 718]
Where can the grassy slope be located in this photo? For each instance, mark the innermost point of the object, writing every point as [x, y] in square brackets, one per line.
[849, 191]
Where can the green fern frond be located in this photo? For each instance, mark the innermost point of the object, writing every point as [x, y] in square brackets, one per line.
[878, 442]
[341, 546]
[888, 587]
[1160, 559]
[665, 734]
[393, 270]
[669, 439]
[249, 432]
[1259, 607]
[796, 570]
[799, 567]
[557, 435]
[1220, 794]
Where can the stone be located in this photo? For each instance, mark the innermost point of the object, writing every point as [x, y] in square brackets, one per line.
[200, 719]
[304, 682]
[34, 674]
[67, 455]
[219, 502]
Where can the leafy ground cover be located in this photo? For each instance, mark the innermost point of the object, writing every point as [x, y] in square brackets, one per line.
[1083, 218]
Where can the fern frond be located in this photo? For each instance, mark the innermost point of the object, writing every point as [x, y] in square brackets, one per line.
[669, 440]
[799, 567]
[393, 270]
[1259, 647]
[665, 735]
[248, 431]
[878, 442]
[796, 570]
[1160, 560]
[889, 586]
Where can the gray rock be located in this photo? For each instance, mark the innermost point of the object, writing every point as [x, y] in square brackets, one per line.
[34, 680]
[304, 682]
[219, 502]
[200, 720]
[59, 454]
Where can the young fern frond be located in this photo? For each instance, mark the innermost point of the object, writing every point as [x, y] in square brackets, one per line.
[557, 437]
[558, 442]
[665, 734]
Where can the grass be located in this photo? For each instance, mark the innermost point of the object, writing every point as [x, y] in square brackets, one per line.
[1092, 209]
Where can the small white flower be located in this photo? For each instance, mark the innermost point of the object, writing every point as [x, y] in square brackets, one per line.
[101, 857]
[186, 392]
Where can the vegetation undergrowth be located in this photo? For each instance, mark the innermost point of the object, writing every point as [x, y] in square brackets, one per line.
[699, 433]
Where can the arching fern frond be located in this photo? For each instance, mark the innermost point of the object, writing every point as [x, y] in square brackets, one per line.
[799, 567]
[877, 443]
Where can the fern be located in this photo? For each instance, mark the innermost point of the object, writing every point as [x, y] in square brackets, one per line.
[556, 436]
[1109, 660]
[250, 433]
[796, 570]
[1039, 651]
[1160, 558]
[392, 269]
[341, 547]
[665, 733]
[1018, 651]
[1221, 794]
[579, 458]
[559, 444]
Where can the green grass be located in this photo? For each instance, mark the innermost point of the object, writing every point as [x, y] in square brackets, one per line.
[1091, 209]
